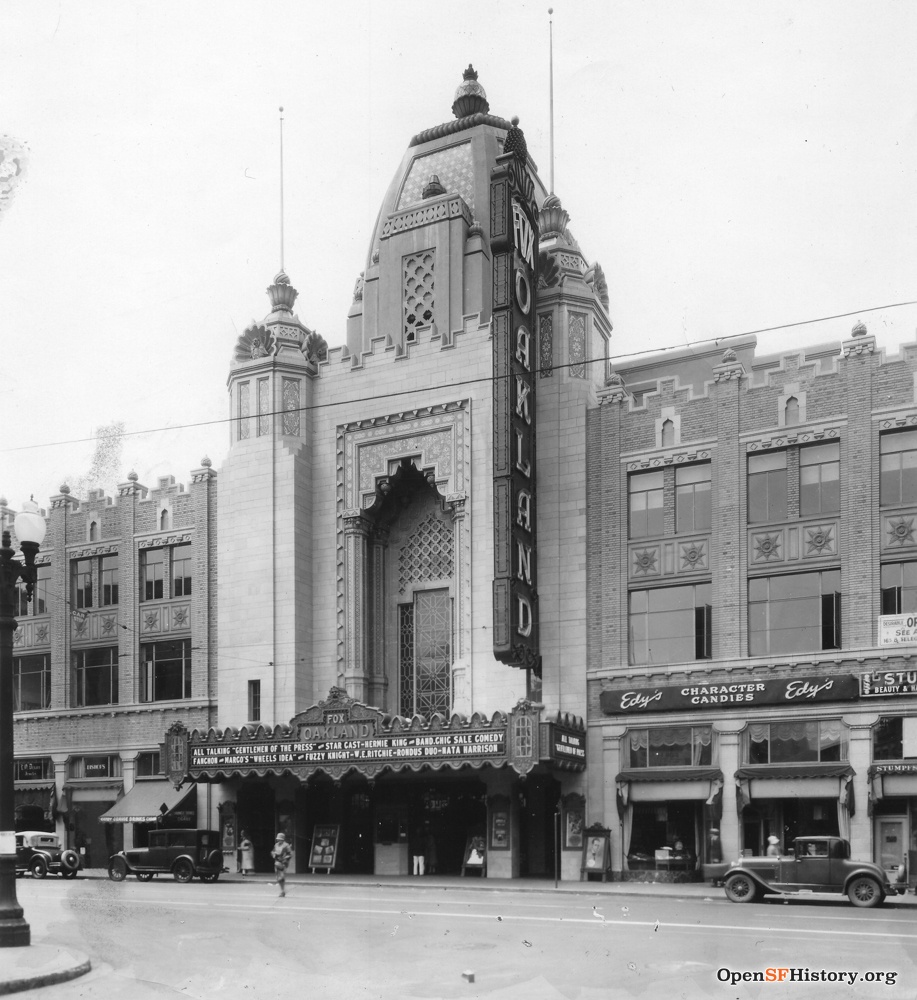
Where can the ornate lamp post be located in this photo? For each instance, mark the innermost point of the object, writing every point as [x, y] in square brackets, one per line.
[30, 530]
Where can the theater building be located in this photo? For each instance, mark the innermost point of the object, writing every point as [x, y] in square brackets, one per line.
[753, 577]
[401, 533]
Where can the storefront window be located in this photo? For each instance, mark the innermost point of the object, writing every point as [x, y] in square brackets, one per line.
[795, 742]
[888, 738]
[675, 746]
[102, 766]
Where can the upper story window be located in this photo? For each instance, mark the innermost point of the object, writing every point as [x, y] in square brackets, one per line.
[39, 603]
[670, 746]
[692, 498]
[254, 701]
[95, 676]
[109, 579]
[898, 467]
[81, 583]
[899, 588]
[671, 624]
[181, 571]
[767, 487]
[148, 765]
[165, 670]
[645, 491]
[819, 479]
[795, 742]
[796, 613]
[165, 572]
[31, 682]
[888, 738]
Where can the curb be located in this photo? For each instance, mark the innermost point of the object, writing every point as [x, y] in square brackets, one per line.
[35, 965]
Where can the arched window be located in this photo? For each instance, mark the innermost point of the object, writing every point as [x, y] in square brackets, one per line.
[668, 434]
[163, 520]
[791, 414]
[93, 531]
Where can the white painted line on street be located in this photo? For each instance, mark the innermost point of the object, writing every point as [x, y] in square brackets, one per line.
[522, 918]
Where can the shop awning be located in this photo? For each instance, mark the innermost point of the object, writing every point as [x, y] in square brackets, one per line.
[814, 780]
[893, 779]
[147, 802]
[38, 794]
[661, 784]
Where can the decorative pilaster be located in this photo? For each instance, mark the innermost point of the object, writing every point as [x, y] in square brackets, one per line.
[356, 545]
[461, 665]
[377, 637]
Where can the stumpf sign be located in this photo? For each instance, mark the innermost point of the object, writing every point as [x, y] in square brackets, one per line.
[514, 244]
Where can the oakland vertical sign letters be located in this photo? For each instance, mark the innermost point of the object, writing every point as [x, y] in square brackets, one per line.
[514, 245]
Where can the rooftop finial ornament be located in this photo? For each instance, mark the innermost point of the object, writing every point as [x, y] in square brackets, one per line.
[470, 98]
[515, 141]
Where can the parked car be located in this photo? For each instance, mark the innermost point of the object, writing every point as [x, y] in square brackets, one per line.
[817, 864]
[181, 853]
[39, 853]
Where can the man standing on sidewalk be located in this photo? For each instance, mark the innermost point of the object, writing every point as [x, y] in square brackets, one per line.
[281, 854]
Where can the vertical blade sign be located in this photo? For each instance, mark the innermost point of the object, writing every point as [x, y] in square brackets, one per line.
[514, 247]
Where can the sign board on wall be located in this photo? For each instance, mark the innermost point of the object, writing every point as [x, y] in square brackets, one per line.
[730, 693]
[883, 683]
[514, 244]
[897, 630]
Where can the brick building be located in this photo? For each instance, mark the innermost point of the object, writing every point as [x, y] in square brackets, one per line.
[117, 644]
[751, 521]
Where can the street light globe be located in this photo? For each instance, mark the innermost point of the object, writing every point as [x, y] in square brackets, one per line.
[29, 524]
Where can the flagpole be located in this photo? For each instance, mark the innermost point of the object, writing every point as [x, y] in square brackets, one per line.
[551, 94]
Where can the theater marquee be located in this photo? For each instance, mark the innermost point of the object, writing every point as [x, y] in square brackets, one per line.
[340, 735]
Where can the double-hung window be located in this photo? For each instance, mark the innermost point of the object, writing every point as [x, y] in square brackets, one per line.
[767, 493]
[645, 491]
[81, 584]
[95, 676]
[165, 670]
[819, 479]
[898, 467]
[692, 498]
[31, 682]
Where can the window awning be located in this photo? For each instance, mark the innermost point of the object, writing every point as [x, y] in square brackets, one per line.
[37, 794]
[661, 784]
[814, 780]
[147, 802]
[815, 769]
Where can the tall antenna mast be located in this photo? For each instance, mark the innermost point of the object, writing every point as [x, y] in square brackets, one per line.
[551, 93]
[281, 187]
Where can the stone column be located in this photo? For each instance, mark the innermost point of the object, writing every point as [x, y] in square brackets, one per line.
[129, 777]
[379, 681]
[860, 757]
[356, 540]
[727, 741]
[461, 655]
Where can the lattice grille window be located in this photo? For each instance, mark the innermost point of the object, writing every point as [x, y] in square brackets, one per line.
[428, 555]
[523, 736]
[264, 407]
[418, 292]
[291, 406]
[425, 648]
[244, 410]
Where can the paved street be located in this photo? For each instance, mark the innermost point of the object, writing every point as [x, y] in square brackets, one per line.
[331, 939]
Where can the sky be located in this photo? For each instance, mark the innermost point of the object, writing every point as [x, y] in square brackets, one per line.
[732, 166]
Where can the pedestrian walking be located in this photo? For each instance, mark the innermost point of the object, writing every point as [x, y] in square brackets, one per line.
[281, 854]
[247, 854]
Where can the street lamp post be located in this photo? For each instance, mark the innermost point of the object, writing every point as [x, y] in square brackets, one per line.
[30, 530]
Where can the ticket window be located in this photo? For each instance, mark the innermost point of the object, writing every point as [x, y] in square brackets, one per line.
[390, 840]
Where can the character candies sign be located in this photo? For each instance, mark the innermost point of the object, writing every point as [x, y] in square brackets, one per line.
[514, 242]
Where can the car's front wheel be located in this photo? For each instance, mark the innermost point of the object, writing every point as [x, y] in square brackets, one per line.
[740, 889]
[865, 891]
[183, 870]
[38, 867]
[117, 869]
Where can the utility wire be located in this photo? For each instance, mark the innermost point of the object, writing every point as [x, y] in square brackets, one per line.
[465, 382]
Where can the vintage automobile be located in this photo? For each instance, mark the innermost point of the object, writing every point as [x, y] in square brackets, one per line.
[180, 853]
[39, 853]
[817, 864]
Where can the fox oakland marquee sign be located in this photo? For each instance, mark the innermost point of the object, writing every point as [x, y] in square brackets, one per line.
[514, 244]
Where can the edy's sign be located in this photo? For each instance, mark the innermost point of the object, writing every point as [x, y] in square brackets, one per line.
[786, 691]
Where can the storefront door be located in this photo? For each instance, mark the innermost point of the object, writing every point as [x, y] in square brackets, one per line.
[891, 841]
